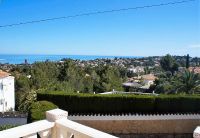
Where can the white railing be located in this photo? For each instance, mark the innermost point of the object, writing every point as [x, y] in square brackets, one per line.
[196, 133]
[64, 125]
[56, 125]
[27, 130]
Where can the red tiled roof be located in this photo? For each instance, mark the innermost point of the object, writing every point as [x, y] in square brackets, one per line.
[4, 74]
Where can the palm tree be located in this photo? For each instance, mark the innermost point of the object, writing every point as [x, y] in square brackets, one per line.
[189, 82]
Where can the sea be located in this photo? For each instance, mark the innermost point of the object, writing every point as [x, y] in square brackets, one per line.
[20, 59]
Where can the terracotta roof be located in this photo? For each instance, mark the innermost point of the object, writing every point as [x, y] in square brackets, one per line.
[4, 74]
[195, 69]
[149, 77]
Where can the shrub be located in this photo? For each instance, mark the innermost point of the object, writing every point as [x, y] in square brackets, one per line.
[38, 109]
[90, 103]
[4, 127]
[177, 103]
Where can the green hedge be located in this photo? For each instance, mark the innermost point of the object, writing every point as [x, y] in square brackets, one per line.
[38, 109]
[90, 103]
[4, 127]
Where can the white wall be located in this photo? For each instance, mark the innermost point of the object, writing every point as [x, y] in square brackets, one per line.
[148, 82]
[7, 92]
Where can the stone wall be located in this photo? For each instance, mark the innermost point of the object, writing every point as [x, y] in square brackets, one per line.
[154, 135]
[142, 127]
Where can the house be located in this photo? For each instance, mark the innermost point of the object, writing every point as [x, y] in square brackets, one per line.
[195, 69]
[148, 79]
[7, 95]
[130, 86]
[137, 69]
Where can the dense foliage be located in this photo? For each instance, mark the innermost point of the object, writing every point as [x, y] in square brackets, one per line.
[24, 100]
[102, 75]
[168, 63]
[38, 109]
[172, 81]
[65, 76]
[90, 103]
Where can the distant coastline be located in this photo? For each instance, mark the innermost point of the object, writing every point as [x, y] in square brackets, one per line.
[19, 59]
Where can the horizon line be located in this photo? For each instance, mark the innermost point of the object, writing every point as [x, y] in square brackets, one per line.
[89, 55]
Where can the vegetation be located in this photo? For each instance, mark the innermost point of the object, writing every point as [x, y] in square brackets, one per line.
[172, 82]
[90, 103]
[188, 61]
[168, 63]
[101, 75]
[38, 109]
[4, 127]
[189, 82]
[24, 100]
[66, 76]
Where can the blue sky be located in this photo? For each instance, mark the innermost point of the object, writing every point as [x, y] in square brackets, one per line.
[171, 29]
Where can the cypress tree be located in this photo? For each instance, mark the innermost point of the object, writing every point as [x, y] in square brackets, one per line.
[187, 61]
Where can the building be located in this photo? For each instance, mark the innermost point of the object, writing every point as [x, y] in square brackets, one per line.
[131, 86]
[148, 79]
[7, 95]
[195, 69]
[137, 69]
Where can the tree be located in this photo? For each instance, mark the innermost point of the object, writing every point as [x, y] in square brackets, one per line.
[67, 71]
[88, 84]
[43, 74]
[75, 76]
[189, 82]
[24, 100]
[22, 84]
[109, 79]
[168, 63]
[187, 61]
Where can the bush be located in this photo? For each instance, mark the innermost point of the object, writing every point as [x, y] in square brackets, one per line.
[4, 127]
[38, 109]
[90, 103]
[177, 103]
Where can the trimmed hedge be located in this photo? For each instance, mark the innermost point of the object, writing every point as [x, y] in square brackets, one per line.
[90, 103]
[38, 109]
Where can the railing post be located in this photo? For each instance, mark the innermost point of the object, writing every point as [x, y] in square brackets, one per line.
[45, 134]
[196, 133]
[54, 115]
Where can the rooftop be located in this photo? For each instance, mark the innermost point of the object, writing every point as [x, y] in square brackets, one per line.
[195, 69]
[149, 77]
[4, 74]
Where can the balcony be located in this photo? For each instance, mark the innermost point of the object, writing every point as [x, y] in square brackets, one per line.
[56, 125]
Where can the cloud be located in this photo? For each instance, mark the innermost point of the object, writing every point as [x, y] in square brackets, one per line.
[195, 46]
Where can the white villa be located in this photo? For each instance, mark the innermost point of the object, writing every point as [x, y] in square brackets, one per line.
[7, 92]
[137, 69]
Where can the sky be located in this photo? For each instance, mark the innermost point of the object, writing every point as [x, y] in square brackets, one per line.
[173, 29]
